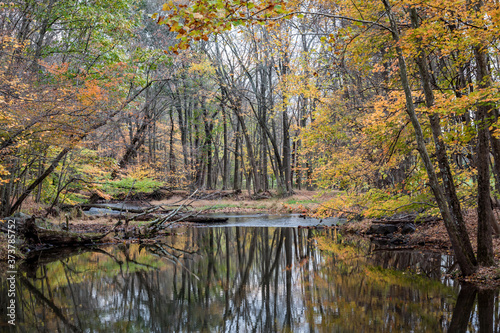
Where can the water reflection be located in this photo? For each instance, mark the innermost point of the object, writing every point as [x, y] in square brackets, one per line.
[273, 220]
[247, 279]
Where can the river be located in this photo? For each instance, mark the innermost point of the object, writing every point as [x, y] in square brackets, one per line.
[246, 279]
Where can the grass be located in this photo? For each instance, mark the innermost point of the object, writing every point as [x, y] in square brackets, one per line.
[220, 206]
[238, 205]
[301, 202]
[124, 185]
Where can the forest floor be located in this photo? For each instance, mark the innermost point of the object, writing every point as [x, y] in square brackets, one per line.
[427, 236]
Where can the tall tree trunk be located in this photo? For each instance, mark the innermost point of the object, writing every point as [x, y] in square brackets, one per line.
[171, 155]
[294, 162]
[251, 156]
[441, 155]
[197, 150]
[46, 23]
[484, 211]
[263, 120]
[495, 151]
[225, 156]
[183, 129]
[208, 149]
[278, 167]
[236, 178]
[465, 258]
[286, 138]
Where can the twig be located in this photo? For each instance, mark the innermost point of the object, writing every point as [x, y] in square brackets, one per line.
[158, 222]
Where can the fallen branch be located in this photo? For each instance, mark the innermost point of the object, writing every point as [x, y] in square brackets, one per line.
[155, 224]
[146, 212]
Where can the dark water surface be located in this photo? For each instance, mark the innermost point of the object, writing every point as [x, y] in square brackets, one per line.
[246, 279]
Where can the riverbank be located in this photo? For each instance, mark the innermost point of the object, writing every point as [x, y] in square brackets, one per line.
[432, 236]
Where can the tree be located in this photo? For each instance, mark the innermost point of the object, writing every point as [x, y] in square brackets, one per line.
[379, 22]
[458, 237]
[64, 80]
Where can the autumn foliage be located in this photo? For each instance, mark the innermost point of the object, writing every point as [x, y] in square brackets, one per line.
[394, 105]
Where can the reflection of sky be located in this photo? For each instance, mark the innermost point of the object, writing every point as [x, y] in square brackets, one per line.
[271, 220]
[144, 301]
[254, 315]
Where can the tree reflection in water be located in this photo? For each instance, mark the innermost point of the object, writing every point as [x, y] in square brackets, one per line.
[247, 279]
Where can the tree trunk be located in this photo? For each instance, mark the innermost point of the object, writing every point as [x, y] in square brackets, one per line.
[135, 144]
[39, 180]
[263, 119]
[286, 138]
[171, 155]
[495, 151]
[294, 163]
[183, 129]
[441, 156]
[485, 254]
[208, 149]
[251, 156]
[46, 23]
[465, 258]
[236, 179]
[225, 156]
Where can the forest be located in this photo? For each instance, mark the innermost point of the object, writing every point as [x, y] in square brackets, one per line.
[392, 104]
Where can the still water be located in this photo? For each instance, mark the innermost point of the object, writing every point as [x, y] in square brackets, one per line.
[246, 279]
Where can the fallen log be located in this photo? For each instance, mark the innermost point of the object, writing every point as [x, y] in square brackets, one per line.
[262, 196]
[35, 234]
[117, 209]
[407, 219]
[205, 219]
